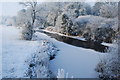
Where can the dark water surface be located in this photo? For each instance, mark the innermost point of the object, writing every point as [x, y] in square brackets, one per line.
[76, 42]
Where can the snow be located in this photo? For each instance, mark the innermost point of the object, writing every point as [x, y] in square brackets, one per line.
[75, 37]
[78, 62]
[15, 52]
[0, 53]
[40, 59]
[18, 54]
[107, 44]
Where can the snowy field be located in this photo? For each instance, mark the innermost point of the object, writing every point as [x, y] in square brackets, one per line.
[15, 52]
[78, 62]
[0, 52]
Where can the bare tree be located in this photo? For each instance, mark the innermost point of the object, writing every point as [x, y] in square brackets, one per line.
[32, 4]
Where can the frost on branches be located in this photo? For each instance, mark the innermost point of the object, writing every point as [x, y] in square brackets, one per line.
[110, 66]
[39, 62]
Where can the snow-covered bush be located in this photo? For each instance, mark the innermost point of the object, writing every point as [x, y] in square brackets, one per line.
[48, 46]
[39, 61]
[109, 66]
[27, 31]
[105, 34]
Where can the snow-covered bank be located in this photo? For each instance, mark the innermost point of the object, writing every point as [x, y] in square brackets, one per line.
[107, 44]
[15, 52]
[75, 37]
[78, 62]
[18, 55]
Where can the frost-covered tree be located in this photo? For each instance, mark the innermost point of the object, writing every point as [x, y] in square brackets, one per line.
[31, 6]
[51, 19]
[22, 18]
[64, 24]
[106, 9]
[55, 9]
[109, 9]
[109, 66]
[41, 15]
[75, 9]
[40, 22]
[96, 8]
[88, 9]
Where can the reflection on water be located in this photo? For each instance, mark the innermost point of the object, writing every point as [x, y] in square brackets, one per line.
[76, 42]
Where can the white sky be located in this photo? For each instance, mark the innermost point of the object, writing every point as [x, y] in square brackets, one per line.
[11, 7]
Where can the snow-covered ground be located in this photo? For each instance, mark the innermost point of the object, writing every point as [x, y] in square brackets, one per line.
[0, 52]
[78, 62]
[107, 44]
[15, 52]
[18, 55]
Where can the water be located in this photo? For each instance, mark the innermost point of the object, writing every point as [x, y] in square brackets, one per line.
[76, 42]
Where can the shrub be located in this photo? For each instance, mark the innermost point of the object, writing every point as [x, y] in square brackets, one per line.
[109, 67]
[27, 31]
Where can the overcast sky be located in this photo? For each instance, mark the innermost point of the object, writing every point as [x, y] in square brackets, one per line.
[11, 8]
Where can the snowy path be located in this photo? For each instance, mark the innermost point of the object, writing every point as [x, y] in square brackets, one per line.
[78, 62]
[15, 52]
